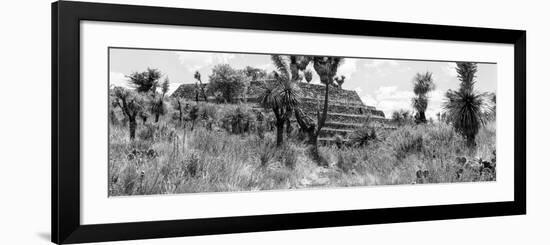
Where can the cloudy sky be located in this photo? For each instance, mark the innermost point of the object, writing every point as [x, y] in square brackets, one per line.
[385, 84]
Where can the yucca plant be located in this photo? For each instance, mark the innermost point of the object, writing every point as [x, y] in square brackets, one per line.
[466, 108]
[282, 96]
[131, 104]
[423, 84]
[308, 75]
[197, 77]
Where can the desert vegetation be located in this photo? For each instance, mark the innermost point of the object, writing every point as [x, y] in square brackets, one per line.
[220, 139]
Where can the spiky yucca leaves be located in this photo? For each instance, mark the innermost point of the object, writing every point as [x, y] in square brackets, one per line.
[282, 96]
[466, 109]
[423, 84]
[340, 80]
[157, 107]
[326, 67]
[466, 74]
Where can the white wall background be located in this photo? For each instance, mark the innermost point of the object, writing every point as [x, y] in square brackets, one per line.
[25, 121]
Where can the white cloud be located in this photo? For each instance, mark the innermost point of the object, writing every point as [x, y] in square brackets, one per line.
[385, 67]
[195, 61]
[358, 90]
[378, 63]
[435, 103]
[348, 68]
[389, 99]
[450, 69]
[117, 79]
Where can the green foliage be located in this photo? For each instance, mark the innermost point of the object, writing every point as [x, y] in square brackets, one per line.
[227, 81]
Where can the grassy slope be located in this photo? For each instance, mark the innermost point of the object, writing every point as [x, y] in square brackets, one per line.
[171, 159]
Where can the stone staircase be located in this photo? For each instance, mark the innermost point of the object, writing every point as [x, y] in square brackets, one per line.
[346, 111]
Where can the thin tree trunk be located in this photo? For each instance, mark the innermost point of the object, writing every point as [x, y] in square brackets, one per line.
[132, 123]
[157, 118]
[288, 127]
[471, 142]
[325, 109]
[280, 128]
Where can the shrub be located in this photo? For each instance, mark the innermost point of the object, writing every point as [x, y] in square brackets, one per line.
[346, 162]
[290, 156]
[406, 141]
[227, 81]
[363, 136]
[267, 151]
[239, 120]
[192, 167]
[147, 133]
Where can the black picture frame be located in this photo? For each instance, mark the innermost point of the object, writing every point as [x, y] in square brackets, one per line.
[65, 140]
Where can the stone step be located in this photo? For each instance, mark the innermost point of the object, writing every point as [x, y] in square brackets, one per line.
[348, 118]
[331, 132]
[343, 125]
[329, 141]
[335, 108]
[333, 102]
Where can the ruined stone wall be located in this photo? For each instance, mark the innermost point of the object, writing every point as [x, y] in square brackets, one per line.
[341, 101]
[189, 91]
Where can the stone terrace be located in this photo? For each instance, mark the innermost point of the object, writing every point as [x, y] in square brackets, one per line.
[346, 111]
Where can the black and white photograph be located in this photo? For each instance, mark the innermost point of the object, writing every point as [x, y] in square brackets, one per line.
[280, 122]
[196, 121]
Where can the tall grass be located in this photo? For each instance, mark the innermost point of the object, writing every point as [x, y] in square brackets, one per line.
[167, 158]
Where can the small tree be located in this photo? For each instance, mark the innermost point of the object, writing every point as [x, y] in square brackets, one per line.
[281, 97]
[308, 75]
[255, 73]
[340, 80]
[465, 109]
[158, 107]
[197, 76]
[397, 118]
[228, 81]
[146, 81]
[131, 104]
[146, 84]
[423, 84]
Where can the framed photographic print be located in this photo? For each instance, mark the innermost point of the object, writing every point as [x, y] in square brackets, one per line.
[176, 122]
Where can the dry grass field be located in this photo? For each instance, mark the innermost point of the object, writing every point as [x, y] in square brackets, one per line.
[226, 149]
